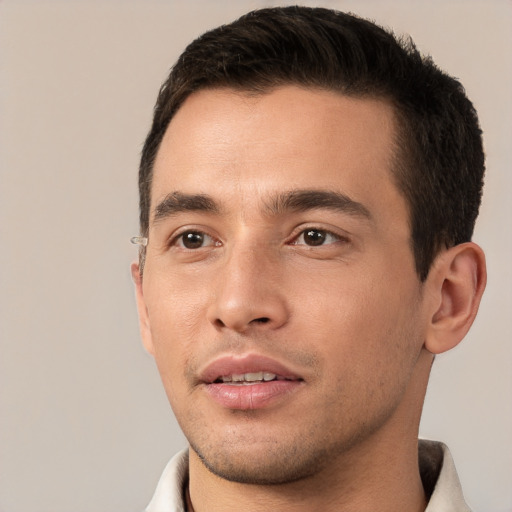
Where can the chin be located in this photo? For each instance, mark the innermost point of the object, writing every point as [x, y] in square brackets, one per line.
[263, 465]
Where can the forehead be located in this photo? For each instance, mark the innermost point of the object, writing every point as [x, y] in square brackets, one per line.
[238, 145]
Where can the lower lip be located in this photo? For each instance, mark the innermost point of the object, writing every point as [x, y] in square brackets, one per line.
[251, 396]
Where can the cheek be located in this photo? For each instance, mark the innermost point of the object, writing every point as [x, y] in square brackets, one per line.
[370, 327]
[175, 306]
[176, 315]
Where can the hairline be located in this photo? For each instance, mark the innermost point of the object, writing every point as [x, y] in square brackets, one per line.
[400, 148]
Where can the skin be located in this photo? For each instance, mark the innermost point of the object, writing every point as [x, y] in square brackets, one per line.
[349, 316]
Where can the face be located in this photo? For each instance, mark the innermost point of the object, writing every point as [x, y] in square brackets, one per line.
[279, 295]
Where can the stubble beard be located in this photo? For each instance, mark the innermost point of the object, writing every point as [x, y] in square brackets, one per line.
[279, 462]
[274, 467]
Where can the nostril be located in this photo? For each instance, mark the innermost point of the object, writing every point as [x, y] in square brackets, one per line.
[219, 323]
[262, 320]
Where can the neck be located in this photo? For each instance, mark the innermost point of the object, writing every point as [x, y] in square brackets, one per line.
[381, 473]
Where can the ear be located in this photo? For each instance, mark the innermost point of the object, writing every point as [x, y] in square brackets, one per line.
[456, 283]
[144, 325]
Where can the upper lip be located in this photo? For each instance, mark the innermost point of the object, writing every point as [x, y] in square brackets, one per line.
[240, 364]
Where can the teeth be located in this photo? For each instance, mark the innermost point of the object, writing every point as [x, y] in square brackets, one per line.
[253, 377]
[249, 377]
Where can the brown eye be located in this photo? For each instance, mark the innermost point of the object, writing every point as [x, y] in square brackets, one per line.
[194, 240]
[314, 237]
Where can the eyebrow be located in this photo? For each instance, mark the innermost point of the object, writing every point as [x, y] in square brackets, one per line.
[291, 201]
[304, 200]
[178, 202]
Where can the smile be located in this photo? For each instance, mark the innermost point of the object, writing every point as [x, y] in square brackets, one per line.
[250, 378]
[248, 382]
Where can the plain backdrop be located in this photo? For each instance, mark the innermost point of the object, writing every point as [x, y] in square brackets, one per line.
[84, 423]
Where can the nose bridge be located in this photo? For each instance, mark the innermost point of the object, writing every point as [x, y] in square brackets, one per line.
[248, 292]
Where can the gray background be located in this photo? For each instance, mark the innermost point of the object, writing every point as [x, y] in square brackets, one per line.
[84, 423]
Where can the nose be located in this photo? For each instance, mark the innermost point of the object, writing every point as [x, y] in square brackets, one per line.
[248, 294]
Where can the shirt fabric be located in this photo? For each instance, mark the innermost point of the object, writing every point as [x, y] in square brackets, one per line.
[437, 471]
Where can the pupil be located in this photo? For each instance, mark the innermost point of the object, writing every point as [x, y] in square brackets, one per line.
[193, 240]
[314, 237]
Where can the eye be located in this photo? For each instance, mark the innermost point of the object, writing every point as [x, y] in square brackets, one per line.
[316, 237]
[193, 240]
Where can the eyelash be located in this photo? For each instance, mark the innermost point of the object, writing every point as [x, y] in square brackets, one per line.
[177, 241]
[325, 232]
[179, 237]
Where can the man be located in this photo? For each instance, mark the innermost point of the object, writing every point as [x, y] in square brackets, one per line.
[308, 192]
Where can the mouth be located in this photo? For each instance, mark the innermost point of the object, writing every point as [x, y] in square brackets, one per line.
[249, 382]
[246, 369]
[238, 379]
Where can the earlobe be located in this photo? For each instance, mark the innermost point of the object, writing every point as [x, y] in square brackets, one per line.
[456, 284]
[144, 325]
